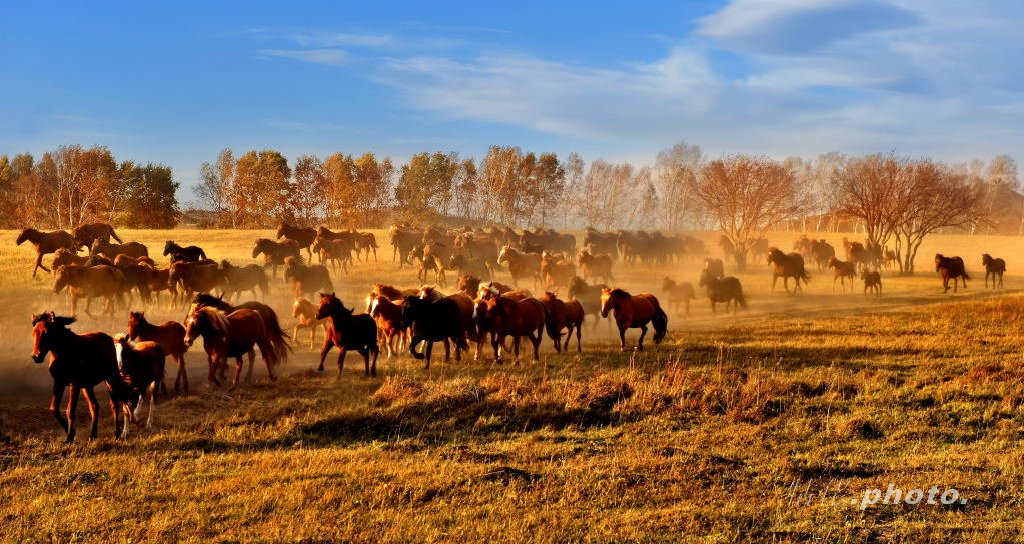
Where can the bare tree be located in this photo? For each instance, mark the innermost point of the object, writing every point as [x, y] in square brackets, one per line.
[674, 171]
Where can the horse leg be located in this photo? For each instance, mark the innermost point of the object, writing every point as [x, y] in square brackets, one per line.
[182, 375]
[775, 279]
[622, 336]
[640, 342]
[448, 350]
[536, 338]
[515, 347]
[341, 359]
[323, 352]
[58, 394]
[152, 401]
[94, 406]
[428, 350]
[496, 342]
[579, 336]
[72, 408]
[212, 375]
[238, 373]
[365, 352]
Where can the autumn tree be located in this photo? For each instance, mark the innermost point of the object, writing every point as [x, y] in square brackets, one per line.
[309, 191]
[261, 189]
[83, 179]
[876, 191]
[424, 189]
[546, 188]
[372, 191]
[466, 193]
[674, 171]
[214, 188]
[143, 196]
[745, 196]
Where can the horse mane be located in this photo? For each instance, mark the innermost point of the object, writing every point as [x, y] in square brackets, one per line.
[217, 318]
[618, 292]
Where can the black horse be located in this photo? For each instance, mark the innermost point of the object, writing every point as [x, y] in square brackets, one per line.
[348, 331]
[434, 321]
[188, 254]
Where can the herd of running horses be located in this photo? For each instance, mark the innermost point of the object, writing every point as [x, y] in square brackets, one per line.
[481, 308]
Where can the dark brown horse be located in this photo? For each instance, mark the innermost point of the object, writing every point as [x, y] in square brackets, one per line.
[159, 280]
[274, 253]
[787, 266]
[89, 282]
[240, 279]
[88, 233]
[994, 267]
[307, 278]
[80, 362]
[188, 253]
[365, 242]
[348, 331]
[195, 278]
[434, 321]
[821, 252]
[111, 250]
[872, 281]
[632, 312]
[303, 236]
[142, 368]
[230, 336]
[46, 243]
[727, 290]
[950, 268]
[596, 266]
[171, 337]
[403, 240]
[516, 318]
[520, 265]
[842, 270]
[563, 314]
[334, 251]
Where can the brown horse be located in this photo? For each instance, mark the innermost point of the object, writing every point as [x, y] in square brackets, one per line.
[432, 258]
[872, 280]
[171, 337]
[278, 337]
[335, 251]
[307, 278]
[303, 236]
[465, 263]
[515, 318]
[239, 279]
[188, 253]
[142, 368]
[195, 278]
[393, 293]
[159, 280]
[821, 252]
[305, 312]
[588, 295]
[787, 266]
[365, 241]
[348, 331]
[727, 290]
[88, 282]
[556, 272]
[632, 312]
[111, 250]
[596, 266]
[390, 326]
[274, 253]
[46, 243]
[81, 362]
[88, 233]
[231, 335]
[950, 268]
[842, 270]
[678, 293]
[715, 267]
[994, 267]
[403, 240]
[65, 256]
[563, 315]
[520, 265]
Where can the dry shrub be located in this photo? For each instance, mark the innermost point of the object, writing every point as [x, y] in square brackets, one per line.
[395, 390]
[859, 427]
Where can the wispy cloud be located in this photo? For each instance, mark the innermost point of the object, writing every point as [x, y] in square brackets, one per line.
[329, 57]
[340, 39]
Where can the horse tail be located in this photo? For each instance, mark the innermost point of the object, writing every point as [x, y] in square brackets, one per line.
[115, 236]
[277, 336]
[202, 253]
[966, 277]
[804, 275]
[660, 321]
[554, 333]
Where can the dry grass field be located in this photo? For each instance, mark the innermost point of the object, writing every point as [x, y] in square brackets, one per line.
[700, 440]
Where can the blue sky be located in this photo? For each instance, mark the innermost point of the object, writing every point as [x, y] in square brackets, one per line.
[176, 82]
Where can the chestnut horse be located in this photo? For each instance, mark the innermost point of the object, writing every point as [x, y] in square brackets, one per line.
[950, 268]
[231, 335]
[520, 265]
[46, 243]
[995, 268]
[88, 282]
[112, 250]
[278, 337]
[632, 312]
[304, 312]
[563, 314]
[515, 318]
[81, 362]
[388, 316]
[171, 337]
[303, 236]
[348, 331]
[787, 266]
[88, 233]
[142, 367]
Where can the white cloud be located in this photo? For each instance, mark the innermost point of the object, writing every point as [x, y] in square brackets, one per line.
[330, 57]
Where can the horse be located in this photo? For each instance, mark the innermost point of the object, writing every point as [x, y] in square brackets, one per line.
[307, 278]
[388, 316]
[171, 337]
[856, 252]
[678, 293]
[432, 258]
[596, 266]
[88, 282]
[403, 239]
[348, 331]
[715, 267]
[787, 266]
[159, 280]
[136, 277]
[46, 243]
[111, 250]
[305, 312]
[88, 233]
[889, 259]
[993, 267]
[588, 295]
[520, 265]
[393, 293]
[597, 241]
[274, 253]
[335, 251]
[81, 362]
[872, 280]
[950, 268]
[727, 290]
[841, 270]
[142, 368]
[632, 312]
[303, 236]
[434, 321]
[556, 272]
[466, 263]
[195, 278]
[230, 336]
[471, 285]
[278, 337]
[65, 256]
[821, 252]
[178, 253]
[563, 314]
[239, 279]
[478, 247]
[365, 241]
[123, 259]
[515, 318]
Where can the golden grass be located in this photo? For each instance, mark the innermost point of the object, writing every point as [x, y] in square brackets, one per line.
[699, 440]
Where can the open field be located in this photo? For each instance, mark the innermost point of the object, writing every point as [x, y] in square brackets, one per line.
[700, 439]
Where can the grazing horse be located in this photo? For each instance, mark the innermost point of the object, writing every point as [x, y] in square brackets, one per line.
[950, 268]
[632, 312]
[348, 331]
[46, 243]
[563, 314]
[81, 362]
[303, 236]
[307, 278]
[715, 267]
[178, 253]
[142, 368]
[727, 290]
[390, 326]
[678, 293]
[88, 233]
[787, 266]
[434, 321]
[994, 267]
[171, 337]
[111, 250]
[872, 280]
[596, 266]
[274, 253]
[231, 335]
[88, 282]
[842, 270]
[520, 265]
[278, 337]
[239, 279]
[305, 312]
[515, 318]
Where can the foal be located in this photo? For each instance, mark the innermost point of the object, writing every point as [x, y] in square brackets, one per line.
[305, 312]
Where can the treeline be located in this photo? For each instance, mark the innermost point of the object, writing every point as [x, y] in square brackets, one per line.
[75, 185]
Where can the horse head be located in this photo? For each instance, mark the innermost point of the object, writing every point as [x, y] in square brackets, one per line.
[44, 327]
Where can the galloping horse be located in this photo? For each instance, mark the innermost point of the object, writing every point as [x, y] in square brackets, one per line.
[88, 233]
[178, 253]
[303, 236]
[434, 321]
[112, 250]
[46, 243]
[632, 312]
[348, 331]
[563, 314]
[81, 362]
[231, 335]
[142, 368]
[787, 266]
[515, 318]
[278, 337]
[950, 268]
[995, 268]
[171, 337]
